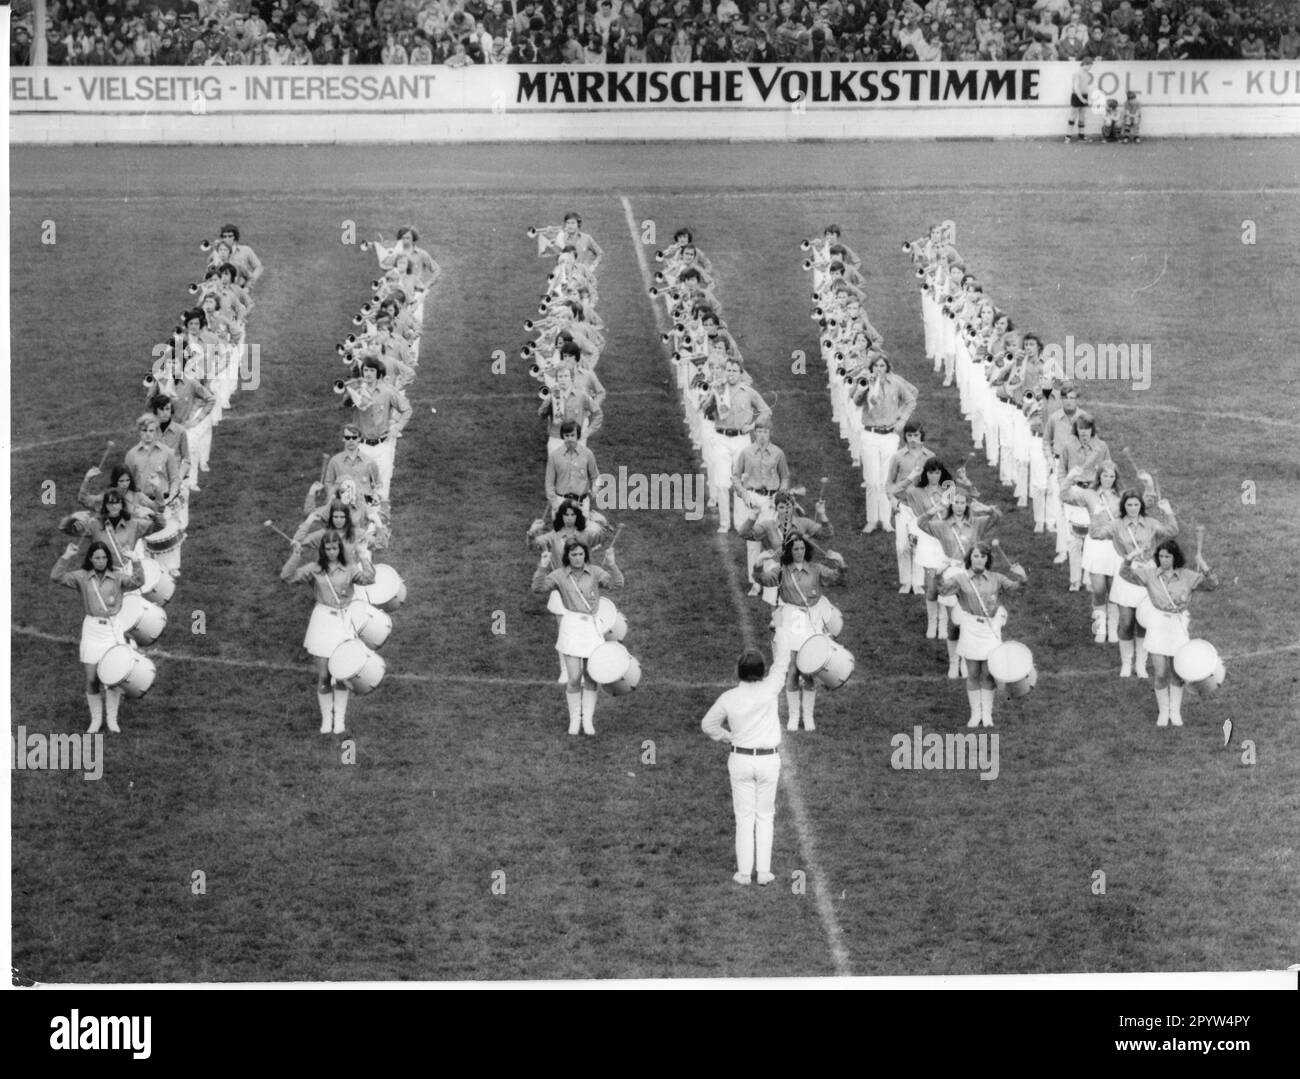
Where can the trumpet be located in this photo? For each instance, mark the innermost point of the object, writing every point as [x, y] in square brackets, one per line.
[526, 353]
[535, 370]
[544, 393]
[205, 245]
[920, 273]
[149, 382]
[193, 289]
[807, 264]
[366, 244]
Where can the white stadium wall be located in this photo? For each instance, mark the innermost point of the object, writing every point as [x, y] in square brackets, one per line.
[61, 105]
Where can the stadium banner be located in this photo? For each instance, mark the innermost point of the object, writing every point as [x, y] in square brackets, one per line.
[978, 100]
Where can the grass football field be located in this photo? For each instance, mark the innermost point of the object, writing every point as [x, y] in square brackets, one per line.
[471, 838]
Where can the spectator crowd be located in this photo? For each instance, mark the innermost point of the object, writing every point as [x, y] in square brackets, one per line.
[463, 32]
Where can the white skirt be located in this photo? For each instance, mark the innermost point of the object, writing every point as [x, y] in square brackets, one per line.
[929, 552]
[329, 627]
[579, 635]
[98, 635]
[1126, 593]
[1100, 557]
[979, 637]
[794, 625]
[1166, 633]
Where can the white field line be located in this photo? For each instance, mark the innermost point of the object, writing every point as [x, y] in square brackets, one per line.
[849, 690]
[789, 771]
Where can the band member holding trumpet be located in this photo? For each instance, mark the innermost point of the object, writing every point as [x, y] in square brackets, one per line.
[758, 473]
[906, 467]
[382, 412]
[332, 577]
[1134, 536]
[1169, 587]
[735, 409]
[565, 403]
[801, 612]
[242, 257]
[578, 584]
[981, 616]
[100, 587]
[588, 251]
[887, 402]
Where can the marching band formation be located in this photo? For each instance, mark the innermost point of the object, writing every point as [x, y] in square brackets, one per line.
[348, 510]
[1117, 542]
[565, 352]
[125, 556]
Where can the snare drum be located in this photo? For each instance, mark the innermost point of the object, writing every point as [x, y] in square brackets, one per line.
[1197, 663]
[825, 660]
[614, 668]
[141, 620]
[609, 619]
[122, 667]
[167, 538]
[371, 624]
[1011, 666]
[356, 666]
[388, 592]
[158, 586]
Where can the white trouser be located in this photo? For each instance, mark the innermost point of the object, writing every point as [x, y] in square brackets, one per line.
[383, 455]
[877, 450]
[753, 794]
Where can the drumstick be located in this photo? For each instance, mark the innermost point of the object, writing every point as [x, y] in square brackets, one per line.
[998, 547]
[821, 495]
[107, 451]
[324, 467]
[272, 527]
[1200, 539]
[617, 532]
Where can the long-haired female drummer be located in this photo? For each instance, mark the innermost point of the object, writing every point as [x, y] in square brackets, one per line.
[924, 497]
[116, 527]
[101, 588]
[1081, 458]
[905, 468]
[120, 480]
[332, 577]
[348, 521]
[569, 523]
[1100, 560]
[1169, 586]
[1134, 536]
[979, 590]
[801, 612]
[578, 583]
[957, 522]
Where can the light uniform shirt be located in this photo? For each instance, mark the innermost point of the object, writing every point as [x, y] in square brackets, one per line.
[889, 404]
[954, 535]
[762, 469]
[571, 471]
[738, 407]
[334, 589]
[579, 592]
[978, 594]
[750, 710]
[901, 466]
[1171, 590]
[101, 596]
[1088, 460]
[387, 413]
[1134, 537]
[578, 407]
[155, 469]
[800, 586]
[355, 466]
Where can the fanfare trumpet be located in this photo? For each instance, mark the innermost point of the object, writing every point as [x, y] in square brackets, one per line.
[205, 245]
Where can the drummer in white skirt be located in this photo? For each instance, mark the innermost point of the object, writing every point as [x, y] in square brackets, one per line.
[1101, 561]
[1134, 536]
[981, 616]
[905, 468]
[1169, 587]
[332, 578]
[801, 612]
[923, 495]
[579, 587]
[101, 589]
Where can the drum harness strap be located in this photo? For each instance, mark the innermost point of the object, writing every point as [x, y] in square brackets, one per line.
[117, 633]
[585, 602]
[333, 591]
[806, 605]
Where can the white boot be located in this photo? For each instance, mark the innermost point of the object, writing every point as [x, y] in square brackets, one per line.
[326, 701]
[932, 619]
[809, 701]
[752, 551]
[1038, 500]
[1175, 705]
[1140, 645]
[942, 629]
[112, 698]
[1099, 625]
[96, 702]
[1126, 659]
[986, 707]
[976, 707]
[1112, 622]
[575, 710]
[588, 711]
[340, 708]
[792, 707]
[954, 662]
[1162, 701]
